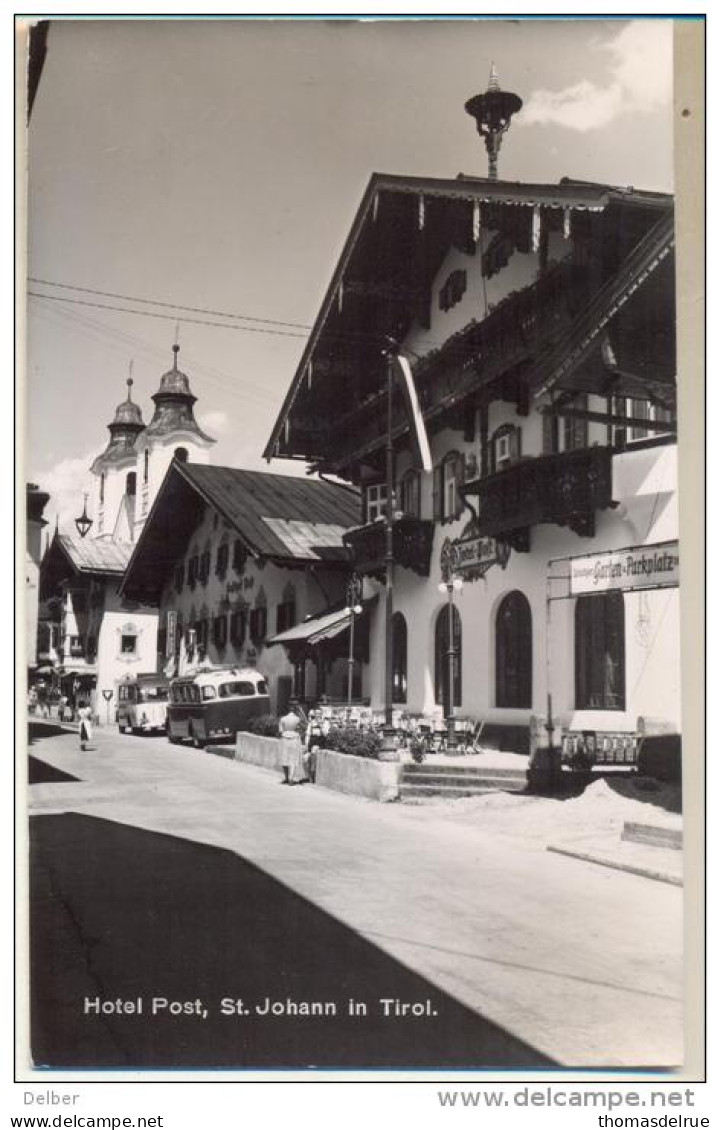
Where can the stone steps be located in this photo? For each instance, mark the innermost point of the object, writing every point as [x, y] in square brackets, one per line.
[653, 835]
[453, 781]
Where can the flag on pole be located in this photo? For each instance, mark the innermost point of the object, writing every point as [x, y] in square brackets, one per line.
[418, 433]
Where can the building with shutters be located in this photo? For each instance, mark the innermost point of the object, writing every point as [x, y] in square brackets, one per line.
[539, 323]
[233, 559]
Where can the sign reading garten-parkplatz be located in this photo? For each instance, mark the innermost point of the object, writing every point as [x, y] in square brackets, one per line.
[642, 567]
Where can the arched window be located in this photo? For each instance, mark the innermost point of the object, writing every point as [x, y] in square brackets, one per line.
[146, 467]
[181, 454]
[513, 651]
[130, 484]
[600, 652]
[442, 666]
[399, 658]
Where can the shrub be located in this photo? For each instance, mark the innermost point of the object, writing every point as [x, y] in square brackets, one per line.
[357, 743]
[265, 725]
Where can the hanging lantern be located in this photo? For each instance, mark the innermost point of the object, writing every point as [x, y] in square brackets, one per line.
[83, 523]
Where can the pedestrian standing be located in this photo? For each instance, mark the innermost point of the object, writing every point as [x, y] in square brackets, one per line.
[85, 717]
[292, 751]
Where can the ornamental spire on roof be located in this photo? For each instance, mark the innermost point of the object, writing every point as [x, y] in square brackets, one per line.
[124, 428]
[492, 112]
[174, 404]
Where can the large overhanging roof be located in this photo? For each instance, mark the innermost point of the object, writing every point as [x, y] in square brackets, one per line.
[286, 519]
[384, 270]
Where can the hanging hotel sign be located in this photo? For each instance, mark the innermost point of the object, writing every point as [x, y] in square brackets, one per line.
[643, 567]
[472, 555]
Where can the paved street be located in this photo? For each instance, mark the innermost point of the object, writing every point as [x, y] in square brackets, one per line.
[164, 872]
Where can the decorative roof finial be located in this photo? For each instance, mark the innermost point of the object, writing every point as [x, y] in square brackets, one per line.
[492, 112]
[176, 350]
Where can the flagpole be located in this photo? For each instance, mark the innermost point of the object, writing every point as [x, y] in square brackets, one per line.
[388, 751]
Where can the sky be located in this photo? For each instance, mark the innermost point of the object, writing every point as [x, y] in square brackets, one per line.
[219, 164]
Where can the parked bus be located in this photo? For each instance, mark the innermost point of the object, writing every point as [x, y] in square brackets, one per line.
[214, 703]
[142, 704]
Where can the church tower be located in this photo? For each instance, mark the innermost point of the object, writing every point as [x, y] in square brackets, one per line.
[115, 474]
[172, 433]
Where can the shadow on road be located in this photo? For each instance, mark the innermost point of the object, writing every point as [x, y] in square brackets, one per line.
[120, 913]
[40, 773]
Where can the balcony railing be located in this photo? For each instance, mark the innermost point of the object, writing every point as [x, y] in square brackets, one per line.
[566, 489]
[412, 545]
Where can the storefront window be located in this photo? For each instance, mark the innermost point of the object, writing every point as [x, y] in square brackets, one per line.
[513, 652]
[600, 652]
[442, 645]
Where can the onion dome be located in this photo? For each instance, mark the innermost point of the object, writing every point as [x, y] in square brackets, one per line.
[174, 405]
[124, 430]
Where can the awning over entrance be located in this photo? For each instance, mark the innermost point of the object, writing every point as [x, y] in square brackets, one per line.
[318, 629]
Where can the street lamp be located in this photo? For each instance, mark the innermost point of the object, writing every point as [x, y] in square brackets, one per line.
[83, 523]
[450, 584]
[353, 609]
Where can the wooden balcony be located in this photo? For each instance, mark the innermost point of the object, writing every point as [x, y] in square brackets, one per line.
[566, 489]
[412, 546]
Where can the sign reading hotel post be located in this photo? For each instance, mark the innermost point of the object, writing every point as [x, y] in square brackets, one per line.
[473, 555]
[644, 567]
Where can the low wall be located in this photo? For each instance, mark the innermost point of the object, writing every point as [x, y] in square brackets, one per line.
[360, 776]
[256, 750]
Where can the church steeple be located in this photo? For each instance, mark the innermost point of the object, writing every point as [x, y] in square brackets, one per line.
[174, 404]
[124, 429]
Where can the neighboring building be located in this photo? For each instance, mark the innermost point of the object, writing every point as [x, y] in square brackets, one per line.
[232, 559]
[36, 501]
[94, 635]
[539, 320]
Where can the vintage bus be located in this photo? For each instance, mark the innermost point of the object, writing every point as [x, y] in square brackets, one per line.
[212, 704]
[142, 704]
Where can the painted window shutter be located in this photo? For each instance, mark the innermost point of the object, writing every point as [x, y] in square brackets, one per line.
[437, 492]
[516, 444]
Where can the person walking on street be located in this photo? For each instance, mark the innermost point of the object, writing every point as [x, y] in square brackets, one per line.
[292, 751]
[85, 717]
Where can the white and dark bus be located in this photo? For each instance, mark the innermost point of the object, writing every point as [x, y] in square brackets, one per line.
[212, 704]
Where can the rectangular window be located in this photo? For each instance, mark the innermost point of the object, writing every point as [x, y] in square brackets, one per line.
[575, 431]
[192, 573]
[220, 631]
[600, 652]
[239, 556]
[128, 644]
[285, 615]
[238, 624]
[258, 624]
[410, 494]
[221, 561]
[375, 501]
[204, 567]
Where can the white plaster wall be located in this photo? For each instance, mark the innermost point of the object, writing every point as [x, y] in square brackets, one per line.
[105, 515]
[112, 665]
[644, 487]
[312, 594]
[162, 450]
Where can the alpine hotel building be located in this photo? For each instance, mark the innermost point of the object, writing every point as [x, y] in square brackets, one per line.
[539, 323]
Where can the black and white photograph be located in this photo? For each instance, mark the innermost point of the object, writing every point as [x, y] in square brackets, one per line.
[353, 596]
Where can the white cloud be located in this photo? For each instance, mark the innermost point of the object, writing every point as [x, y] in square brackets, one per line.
[66, 483]
[640, 80]
[215, 423]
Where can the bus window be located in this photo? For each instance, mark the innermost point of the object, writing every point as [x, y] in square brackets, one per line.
[207, 693]
[153, 694]
[262, 687]
[243, 688]
[194, 694]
